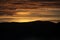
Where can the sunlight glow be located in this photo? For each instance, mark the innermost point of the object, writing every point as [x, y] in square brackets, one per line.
[22, 20]
[23, 13]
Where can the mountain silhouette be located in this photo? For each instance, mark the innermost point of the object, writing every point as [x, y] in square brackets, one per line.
[39, 30]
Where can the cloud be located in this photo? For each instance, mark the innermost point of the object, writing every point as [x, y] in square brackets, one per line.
[30, 8]
[43, 0]
[26, 4]
[6, 19]
[32, 12]
[6, 13]
[41, 11]
[3, 0]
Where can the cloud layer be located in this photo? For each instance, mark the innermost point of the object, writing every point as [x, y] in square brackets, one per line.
[35, 8]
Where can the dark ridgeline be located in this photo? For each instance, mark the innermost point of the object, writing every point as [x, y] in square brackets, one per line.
[39, 30]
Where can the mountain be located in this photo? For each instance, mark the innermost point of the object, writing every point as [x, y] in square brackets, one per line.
[39, 30]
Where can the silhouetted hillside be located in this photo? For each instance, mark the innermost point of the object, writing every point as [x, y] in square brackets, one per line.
[39, 30]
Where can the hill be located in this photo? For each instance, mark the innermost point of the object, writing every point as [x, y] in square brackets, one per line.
[39, 30]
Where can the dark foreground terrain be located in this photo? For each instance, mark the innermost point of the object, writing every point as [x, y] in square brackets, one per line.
[37, 30]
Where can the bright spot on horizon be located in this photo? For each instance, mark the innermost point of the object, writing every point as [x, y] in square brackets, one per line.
[23, 20]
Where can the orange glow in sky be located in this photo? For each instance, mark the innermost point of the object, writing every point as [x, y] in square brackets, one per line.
[23, 13]
[29, 10]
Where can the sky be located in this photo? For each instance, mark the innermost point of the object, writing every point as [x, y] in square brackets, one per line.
[29, 10]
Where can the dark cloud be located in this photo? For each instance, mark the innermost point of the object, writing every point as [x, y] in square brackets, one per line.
[1, 13]
[49, 16]
[43, 0]
[26, 4]
[5, 19]
[2, 7]
[23, 1]
[6, 6]
[6, 13]
[4, 1]
[42, 15]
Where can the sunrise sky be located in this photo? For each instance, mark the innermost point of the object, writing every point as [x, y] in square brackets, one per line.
[29, 10]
